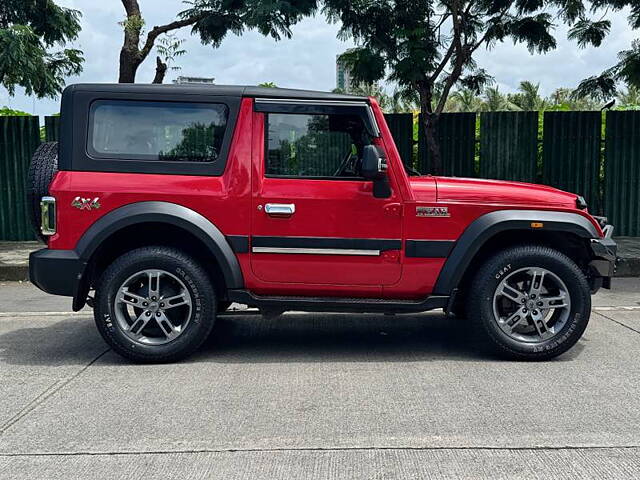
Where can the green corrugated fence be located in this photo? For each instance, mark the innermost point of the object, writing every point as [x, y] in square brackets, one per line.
[569, 152]
[401, 127]
[52, 128]
[622, 171]
[19, 138]
[456, 135]
[509, 145]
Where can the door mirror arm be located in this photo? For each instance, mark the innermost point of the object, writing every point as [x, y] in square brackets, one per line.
[374, 167]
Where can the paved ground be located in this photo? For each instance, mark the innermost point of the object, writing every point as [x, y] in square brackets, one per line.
[316, 396]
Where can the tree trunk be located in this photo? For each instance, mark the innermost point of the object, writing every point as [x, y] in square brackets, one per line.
[161, 71]
[429, 123]
[128, 66]
[130, 52]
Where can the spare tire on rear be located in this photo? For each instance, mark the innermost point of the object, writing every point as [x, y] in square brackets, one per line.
[44, 165]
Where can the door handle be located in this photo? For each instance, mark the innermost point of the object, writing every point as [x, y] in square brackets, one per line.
[280, 209]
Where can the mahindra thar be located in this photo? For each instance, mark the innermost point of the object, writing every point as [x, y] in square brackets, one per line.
[162, 204]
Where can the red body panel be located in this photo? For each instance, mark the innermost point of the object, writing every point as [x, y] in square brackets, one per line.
[225, 200]
[324, 208]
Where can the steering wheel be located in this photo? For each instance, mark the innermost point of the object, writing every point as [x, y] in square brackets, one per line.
[344, 164]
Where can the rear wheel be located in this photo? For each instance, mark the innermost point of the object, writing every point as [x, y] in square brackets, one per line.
[530, 302]
[155, 304]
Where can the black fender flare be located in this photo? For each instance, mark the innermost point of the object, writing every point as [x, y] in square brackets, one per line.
[159, 212]
[486, 226]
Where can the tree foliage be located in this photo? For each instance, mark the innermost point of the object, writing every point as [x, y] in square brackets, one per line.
[33, 37]
[9, 112]
[429, 46]
[590, 32]
[212, 21]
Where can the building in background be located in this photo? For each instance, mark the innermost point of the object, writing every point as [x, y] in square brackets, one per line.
[343, 76]
[344, 81]
[182, 80]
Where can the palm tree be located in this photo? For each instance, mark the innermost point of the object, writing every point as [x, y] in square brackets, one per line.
[563, 99]
[466, 100]
[372, 90]
[403, 100]
[528, 97]
[494, 101]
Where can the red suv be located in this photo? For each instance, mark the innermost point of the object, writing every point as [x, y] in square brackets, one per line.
[163, 204]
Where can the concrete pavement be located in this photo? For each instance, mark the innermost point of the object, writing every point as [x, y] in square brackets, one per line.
[317, 396]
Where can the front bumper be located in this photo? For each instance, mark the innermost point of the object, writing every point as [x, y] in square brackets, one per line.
[58, 272]
[604, 260]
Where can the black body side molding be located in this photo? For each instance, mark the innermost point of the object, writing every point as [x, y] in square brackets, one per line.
[486, 226]
[338, 304]
[428, 248]
[327, 242]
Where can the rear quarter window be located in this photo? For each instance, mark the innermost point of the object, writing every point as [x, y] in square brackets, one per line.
[157, 131]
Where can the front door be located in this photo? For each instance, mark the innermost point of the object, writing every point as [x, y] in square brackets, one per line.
[315, 220]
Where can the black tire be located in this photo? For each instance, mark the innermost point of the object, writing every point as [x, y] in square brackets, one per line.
[488, 279]
[43, 167]
[193, 277]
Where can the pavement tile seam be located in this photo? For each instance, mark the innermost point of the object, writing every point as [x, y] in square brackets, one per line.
[619, 323]
[540, 448]
[48, 393]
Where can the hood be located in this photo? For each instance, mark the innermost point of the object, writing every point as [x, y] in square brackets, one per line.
[475, 190]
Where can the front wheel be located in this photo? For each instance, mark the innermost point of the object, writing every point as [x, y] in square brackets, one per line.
[155, 304]
[530, 302]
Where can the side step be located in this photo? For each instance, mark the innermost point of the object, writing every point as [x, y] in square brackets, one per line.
[338, 304]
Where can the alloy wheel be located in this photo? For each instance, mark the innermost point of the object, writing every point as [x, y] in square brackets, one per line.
[153, 307]
[531, 305]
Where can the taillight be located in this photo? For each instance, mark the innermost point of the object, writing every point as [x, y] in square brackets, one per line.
[48, 216]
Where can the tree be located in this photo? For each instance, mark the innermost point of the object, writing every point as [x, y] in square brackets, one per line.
[169, 48]
[466, 100]
[630, 97]
[591, 32]
[33, 34]
[403, 100]
[429, 46]
[562, 99]
[495, 101]
[212, 20]
[528, 97]
[9, 112]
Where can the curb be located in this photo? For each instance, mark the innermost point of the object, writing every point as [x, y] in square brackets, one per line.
[628, 267]
[14, 273]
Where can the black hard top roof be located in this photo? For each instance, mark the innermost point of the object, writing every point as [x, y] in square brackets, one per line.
[228, 90]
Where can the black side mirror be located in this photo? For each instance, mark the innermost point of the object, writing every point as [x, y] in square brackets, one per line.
[374, 167]
[374, 164]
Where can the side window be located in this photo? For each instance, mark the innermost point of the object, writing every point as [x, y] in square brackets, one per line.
[323, 145]
[164, 131]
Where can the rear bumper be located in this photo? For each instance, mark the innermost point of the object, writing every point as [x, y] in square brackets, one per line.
[56, 271]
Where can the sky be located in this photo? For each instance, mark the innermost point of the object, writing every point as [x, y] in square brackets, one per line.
[307, 60]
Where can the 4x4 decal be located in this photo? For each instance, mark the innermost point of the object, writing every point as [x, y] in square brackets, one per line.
[86, 203]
